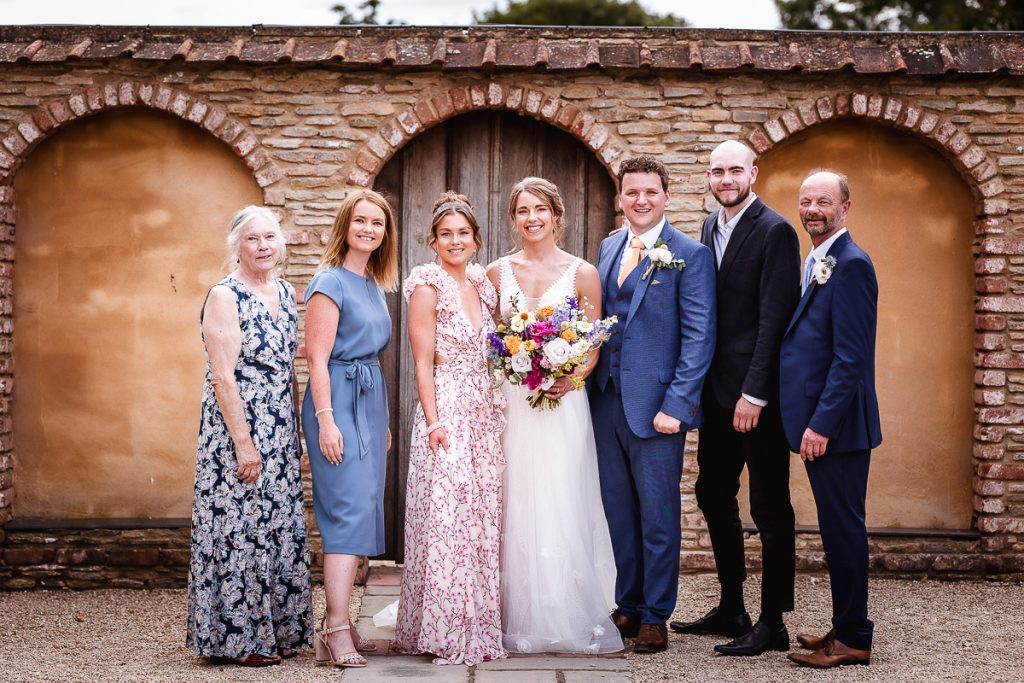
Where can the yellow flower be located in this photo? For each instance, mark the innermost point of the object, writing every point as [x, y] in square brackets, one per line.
[530, 345]
[502, 327]
[512, 343]
[569, 335]
[566, 324]
[545, 311]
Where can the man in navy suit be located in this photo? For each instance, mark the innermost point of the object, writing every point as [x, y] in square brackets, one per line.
[830, 409]
[758, 257]
[645, 394]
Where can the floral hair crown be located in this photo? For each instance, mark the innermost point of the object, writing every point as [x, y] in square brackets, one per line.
[461, 207]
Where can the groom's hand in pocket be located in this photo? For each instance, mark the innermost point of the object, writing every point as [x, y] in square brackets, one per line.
[666, 424]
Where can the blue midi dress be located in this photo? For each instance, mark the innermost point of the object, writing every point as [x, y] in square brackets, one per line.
[348, 499]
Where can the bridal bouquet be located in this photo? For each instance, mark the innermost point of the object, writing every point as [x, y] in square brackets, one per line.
[534, 348]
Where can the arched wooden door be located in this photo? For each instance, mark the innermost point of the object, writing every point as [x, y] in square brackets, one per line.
[481, 155]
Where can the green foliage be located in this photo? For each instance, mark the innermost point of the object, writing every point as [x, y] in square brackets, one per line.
[903, 15]
[576, 13]
[369, 8]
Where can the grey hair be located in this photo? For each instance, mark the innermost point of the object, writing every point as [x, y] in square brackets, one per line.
[242, 218]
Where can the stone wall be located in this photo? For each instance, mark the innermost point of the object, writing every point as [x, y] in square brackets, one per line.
[310, 131]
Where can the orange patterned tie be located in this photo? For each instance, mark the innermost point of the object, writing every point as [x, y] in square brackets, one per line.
[636, 253]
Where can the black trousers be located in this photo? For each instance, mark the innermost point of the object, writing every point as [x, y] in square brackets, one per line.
[722, 453]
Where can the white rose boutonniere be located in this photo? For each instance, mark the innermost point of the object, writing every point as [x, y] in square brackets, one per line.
[661, 257]
[822, 269]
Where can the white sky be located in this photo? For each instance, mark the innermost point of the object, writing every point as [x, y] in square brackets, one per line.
[757, 14]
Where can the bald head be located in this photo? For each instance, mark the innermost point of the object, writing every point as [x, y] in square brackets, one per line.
[732, 151]
[824, 204]
[730, 176]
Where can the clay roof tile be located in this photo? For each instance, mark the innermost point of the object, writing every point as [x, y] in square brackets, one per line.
[773, 57]
[975, 58]
[464, 55]
[261, 50]
[621, 56]
[721, 57]
[924, 60]
[566, 55]
[876, 60]
[517, 53]
[159, 48]
[676, 57]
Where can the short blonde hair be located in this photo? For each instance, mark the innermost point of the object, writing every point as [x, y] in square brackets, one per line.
[242, 218]
[383, 264]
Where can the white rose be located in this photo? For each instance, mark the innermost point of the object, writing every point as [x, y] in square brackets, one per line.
[557, 351]
[548, 382]
[661, 255]
[521, 362]
[821, 272]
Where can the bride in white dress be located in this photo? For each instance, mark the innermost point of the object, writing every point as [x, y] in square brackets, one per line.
[557, 572]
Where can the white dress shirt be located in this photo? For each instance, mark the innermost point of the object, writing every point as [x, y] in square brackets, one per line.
[648, 238]
[724, 232]
[818, 253]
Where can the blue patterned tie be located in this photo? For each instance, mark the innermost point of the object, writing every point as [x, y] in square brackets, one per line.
[808, 270]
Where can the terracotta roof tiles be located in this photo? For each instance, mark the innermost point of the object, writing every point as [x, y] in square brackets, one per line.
[517, 47]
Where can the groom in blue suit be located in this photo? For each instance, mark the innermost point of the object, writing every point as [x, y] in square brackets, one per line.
[830, 409]
[645, 394]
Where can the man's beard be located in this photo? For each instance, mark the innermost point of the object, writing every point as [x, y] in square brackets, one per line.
[827, 226]
[741, 197]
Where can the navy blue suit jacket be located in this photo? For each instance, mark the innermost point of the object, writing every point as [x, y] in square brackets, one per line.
[668, 337]
[827, 370]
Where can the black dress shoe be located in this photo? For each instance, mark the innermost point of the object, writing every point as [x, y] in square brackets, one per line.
[715, 624]
[760, 638]
[629, 627]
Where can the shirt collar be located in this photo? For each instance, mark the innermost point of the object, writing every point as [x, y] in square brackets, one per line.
[819, 251]
[649, 237]
[735, 219]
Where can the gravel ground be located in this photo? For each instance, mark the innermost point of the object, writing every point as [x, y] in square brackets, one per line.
[924, 631]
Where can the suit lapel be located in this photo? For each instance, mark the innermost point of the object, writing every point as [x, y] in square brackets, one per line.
[608, 265]
[740, 234]
[835, 250]
[668, 236]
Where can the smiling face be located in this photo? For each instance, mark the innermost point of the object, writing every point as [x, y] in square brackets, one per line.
[259, 246]
[534, 218]
[455, 242]
[366, 229]
[823, 210]
[732, 173]
[643, 201]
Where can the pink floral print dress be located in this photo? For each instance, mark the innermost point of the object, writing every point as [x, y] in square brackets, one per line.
[450, 597]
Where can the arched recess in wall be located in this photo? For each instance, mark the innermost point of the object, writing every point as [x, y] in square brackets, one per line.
[120, 232]
[481, 154]
[914, 214]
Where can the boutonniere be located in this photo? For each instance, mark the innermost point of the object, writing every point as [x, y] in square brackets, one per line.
[822, 269]
[661, 257]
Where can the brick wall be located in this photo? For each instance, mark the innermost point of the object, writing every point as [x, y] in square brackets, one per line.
[309, 132]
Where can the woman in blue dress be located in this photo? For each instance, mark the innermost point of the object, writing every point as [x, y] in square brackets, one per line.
[249, 596]
[345, 412]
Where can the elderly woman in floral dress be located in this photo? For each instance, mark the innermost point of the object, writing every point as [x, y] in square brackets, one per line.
[249, 584]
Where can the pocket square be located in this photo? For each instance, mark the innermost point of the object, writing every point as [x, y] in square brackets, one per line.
[655, 282]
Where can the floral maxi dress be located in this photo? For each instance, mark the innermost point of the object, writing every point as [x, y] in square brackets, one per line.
[249, 583]
[449, 604]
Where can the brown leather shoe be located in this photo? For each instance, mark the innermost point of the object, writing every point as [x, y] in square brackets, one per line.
[628, 627]
[832, 655]
[652, 638]
[811, 642]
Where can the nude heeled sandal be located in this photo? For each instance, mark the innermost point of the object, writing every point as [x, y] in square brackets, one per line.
[351, 660]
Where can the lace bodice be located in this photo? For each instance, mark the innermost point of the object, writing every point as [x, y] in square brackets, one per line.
[563, 287]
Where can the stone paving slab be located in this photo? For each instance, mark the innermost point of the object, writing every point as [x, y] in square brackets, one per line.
[383, 590]
[487, 676]
[595, 677]
[530, 663]
[407, 670]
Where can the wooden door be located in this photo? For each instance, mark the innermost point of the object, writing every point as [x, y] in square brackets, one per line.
[481, 155]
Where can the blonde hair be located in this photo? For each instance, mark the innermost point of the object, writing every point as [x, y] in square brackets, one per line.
[242, 218]
[545, 190]
[383, 263]
[451, 202]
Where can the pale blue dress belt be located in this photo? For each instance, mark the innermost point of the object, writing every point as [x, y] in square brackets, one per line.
[359, 372]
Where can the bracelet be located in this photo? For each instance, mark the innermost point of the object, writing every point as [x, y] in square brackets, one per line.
[323, 410]
[434, 427]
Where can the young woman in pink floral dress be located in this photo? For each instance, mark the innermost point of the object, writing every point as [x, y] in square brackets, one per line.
[449, 604]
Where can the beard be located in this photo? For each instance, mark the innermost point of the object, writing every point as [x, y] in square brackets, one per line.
[741, 196]
[827, 225]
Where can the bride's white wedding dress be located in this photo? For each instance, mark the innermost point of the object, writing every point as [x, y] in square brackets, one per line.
[557, 574]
